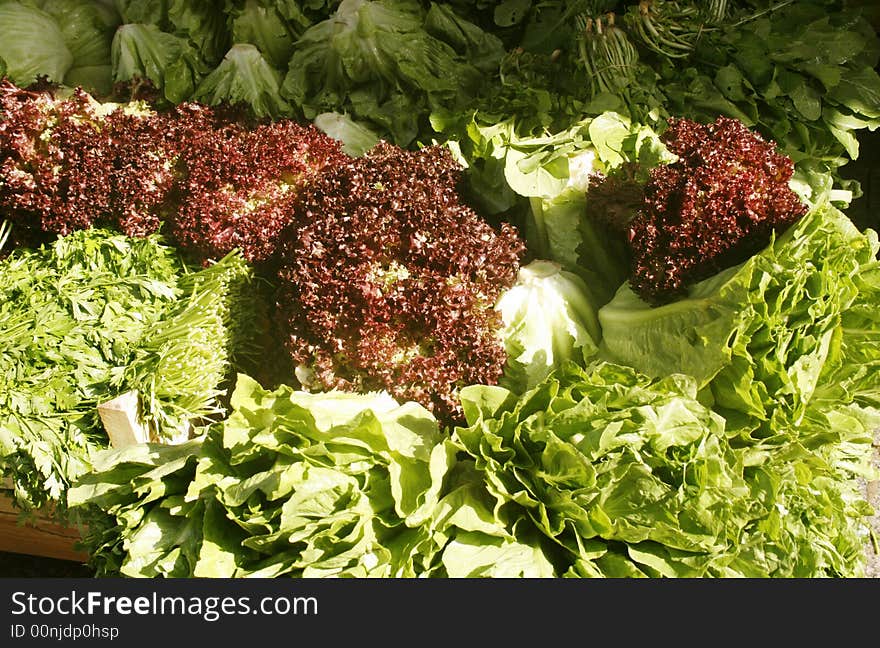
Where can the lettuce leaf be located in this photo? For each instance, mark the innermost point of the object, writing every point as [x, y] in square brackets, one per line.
[290, 484]
[607, 462]
[632, 476]
[135, 522]
[377, 62]
[261, 23]
[203, 25]
[244, 76]
[87, 27]
[356, 138]
[755, 336]
[32, 44]
[143, 51]
[549, 317]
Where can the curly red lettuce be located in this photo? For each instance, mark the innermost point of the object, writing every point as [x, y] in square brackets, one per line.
[70, 163]
[389, 281]
[220, 180]
[714, 207]
[238, 185]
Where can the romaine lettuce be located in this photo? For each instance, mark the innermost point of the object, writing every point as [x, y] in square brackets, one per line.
[376, 61]
[244, 76]
[143, 51]
[291, 483]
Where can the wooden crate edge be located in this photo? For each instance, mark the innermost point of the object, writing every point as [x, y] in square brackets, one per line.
[41, 536]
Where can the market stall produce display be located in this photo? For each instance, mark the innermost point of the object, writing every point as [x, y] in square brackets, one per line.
[465, 289]
[98, 314]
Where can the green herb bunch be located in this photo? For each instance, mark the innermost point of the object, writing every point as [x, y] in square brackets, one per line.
[97, 314]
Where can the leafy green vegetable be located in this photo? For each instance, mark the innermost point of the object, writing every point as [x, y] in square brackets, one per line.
[325, 484]
[356, 138]
[264, 24]
[200, 26]
[476, 539]
[243, 76]
[482, 48]
[850, 374]
[755, 336]
[145, 52]
[542, 182]
[32, 44]
[67, 41]
[549, 319]
[375, 61]
[70, 316]
[204, 27]
[97, 314]
[801, 74]
[182, 366]
[136, 522]
[601, 460]
[87, 27]
[712, 208]
[788, 73]
[141, 11]
[720, 435]
[292, 483]
[634, 477]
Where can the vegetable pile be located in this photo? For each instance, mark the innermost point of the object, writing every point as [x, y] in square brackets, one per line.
[216, 181]
[385, 278]
[390, 280]
[634, 477]
[304, 485]
[98, 314]
[801, 73]
[754, 335]
[416, 289]
[290, 483]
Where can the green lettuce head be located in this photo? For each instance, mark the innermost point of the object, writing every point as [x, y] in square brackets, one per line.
[88, 27]
[549, 318]
[631, 477]
[32, 44]
[755, 336]
[143, 51]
